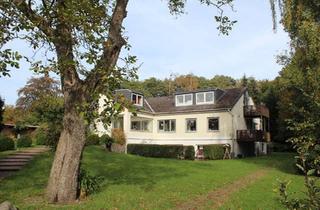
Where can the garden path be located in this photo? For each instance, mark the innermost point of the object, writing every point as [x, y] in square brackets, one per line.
[219, 196]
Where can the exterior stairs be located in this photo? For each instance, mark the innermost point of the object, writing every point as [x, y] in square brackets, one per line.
[16, 161]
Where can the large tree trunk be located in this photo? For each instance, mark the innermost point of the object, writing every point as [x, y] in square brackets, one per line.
[63, 182]
[63, 186]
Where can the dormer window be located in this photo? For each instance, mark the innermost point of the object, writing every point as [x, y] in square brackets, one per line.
[205, 98]
[184, 100]
[137, 99]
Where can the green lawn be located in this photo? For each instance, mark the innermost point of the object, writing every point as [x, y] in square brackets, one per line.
[132, 182]
[6, 153]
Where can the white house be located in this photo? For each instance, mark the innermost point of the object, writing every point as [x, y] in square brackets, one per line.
[196, 118]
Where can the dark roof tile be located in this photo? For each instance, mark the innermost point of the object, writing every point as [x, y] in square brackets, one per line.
[166, 104]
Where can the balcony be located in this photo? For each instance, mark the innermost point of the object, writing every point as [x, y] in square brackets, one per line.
[253, 135]
[256, 111]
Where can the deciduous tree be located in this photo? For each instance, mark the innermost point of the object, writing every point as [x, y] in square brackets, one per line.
[301, 77]
[36, 89]
[86, 38]
[1, 112]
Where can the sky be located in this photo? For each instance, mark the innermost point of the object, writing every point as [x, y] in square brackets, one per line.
[190, 43]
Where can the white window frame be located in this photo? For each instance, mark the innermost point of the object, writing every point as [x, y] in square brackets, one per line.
[170, 129]
[204, 98]
[189, 131]
[184, 100]
[141, 125]
[135, 102]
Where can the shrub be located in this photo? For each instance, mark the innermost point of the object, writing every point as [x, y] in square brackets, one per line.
[107, 141]
[92, 139]
[53, 135]
[40, 136]
[152, 150]
[24, 141]
[88, 184]
[281, 147]
[189, 153]
[48, 134]
[119, 136]
[213, 152]
[6, 143]
[310, 161]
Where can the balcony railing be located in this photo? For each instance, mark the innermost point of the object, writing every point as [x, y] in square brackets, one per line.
[256, 111]
[253, 135]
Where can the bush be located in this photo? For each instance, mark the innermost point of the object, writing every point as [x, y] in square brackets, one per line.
[88, 184]
[118, 135]
[48, 134]
[189, 153]
[24, 141]
[6, 143]
[281, 147]
[92, 139]
[213, 152]
[53, 135]
[107, 141]
[40, 136]
[152, 150]
[310, 161]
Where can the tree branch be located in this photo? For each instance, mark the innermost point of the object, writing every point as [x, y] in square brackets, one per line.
[111, 49]
[64, 43]
[36, 19]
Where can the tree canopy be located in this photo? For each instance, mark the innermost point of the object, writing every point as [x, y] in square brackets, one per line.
[1, 112]
[85, 38]
[36, 89]
[299, 104]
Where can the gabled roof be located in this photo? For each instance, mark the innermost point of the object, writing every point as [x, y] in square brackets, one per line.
[166, 104]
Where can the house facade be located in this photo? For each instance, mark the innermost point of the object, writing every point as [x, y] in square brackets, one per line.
[196, 118]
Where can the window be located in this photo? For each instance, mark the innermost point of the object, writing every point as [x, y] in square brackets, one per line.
[141, 125]
[213, 124]
[167, 125]
[118, 123]
[205, 98]
[184, 100]
[191, 125]
[137, 99]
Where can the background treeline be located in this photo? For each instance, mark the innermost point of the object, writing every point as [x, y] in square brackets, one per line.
[40, 101]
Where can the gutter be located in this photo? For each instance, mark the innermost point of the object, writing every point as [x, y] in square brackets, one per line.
[233, 131]
[184, 112]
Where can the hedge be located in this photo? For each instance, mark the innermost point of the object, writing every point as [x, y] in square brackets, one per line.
[24, 141]
[189, 153]
[161, 151]
[6, 143]
[213, 152]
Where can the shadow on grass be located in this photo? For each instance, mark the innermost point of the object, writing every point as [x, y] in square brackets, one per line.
[128, 169]
[284, 162]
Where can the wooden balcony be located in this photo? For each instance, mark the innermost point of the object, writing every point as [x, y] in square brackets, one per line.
[253, 135]
[256, 111]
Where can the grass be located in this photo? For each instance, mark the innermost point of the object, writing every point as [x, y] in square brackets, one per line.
[132, 182]
[4, 154]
